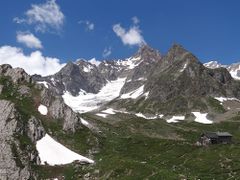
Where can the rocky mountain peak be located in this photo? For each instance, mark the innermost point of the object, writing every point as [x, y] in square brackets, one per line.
[176, 52]
[148, 53]
[70, 68]
[213, 64]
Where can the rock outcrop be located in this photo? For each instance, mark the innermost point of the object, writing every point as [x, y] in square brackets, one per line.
[59, 111]
[14, 160]
[17, 75]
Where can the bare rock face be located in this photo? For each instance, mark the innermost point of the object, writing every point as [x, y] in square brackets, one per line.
[35, 129]
[17, 75]
[24, 90]
[1, 88]
[9, 165]
[14, 161]
[58, 110]
[75, 77]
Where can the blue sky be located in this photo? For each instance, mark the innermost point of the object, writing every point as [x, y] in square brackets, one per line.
[208, 28]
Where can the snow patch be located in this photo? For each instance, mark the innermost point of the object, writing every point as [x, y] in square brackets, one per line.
[109, 111]
[42, 109]
[134, 94]
[235, 75]
[146, 117]
[53, 81]
[95, 62]
[44, 83]
[54, 153]
[212, 65]
[201, 118]
[146, 94]
[106, 112]
[102, 115]
[84, 122]
[141, 79]
[85, 102]
[222, 99]
[87, 68]
[175, 119]
[131, 62]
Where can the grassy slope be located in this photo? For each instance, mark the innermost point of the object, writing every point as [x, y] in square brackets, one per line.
[135, 148]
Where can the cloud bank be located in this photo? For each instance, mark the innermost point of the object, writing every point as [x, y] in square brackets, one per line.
[34, 63]
[29, 40]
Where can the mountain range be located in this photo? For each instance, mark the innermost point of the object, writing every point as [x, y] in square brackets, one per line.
[147, 82]
[134, 118]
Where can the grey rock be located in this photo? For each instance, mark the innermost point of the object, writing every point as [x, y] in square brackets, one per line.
[59, 110]
[8, 162]
[18, 75]
[232, 68]
[75, 77]
[1, 88]
[24, 90]
[35, 129]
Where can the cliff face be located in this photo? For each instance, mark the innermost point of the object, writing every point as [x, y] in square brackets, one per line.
[16, 155]
[21, 123]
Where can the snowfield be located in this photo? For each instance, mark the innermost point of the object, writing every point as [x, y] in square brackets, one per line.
[175, 119]
[85, 102]
[201, 118]
[54, 153]
[42, 109]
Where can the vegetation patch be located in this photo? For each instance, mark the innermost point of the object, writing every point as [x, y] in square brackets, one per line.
[215, 105]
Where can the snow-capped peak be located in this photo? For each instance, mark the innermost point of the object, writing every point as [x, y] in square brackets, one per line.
[95, 62]
[234, 69]
[213, 65]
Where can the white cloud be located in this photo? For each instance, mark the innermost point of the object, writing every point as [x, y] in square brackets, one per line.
[29, 40]
[131, 37]
[135, 20]
[35, 63]
[89, 26]
[46, 16]
[107, 52]
[19, 20]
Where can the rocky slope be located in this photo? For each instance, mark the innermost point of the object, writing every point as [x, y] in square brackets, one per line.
[234, 69]
[180, 83]
[22, 125]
